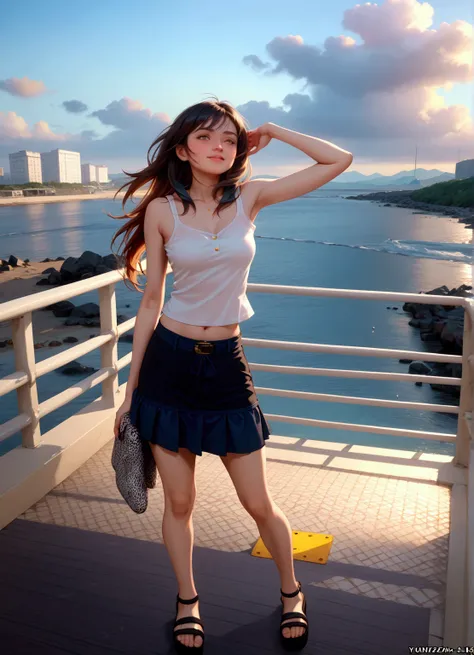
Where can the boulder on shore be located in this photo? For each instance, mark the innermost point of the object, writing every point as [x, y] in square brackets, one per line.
[80, 268]
[15, 261]
[441, 326]
[76, 368]
[87, 310]
[62, 308]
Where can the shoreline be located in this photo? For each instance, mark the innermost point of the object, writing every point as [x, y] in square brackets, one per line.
[35, 200]
[21, 281]
[403, 199]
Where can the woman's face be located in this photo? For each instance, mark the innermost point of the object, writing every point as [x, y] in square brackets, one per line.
[214, 150]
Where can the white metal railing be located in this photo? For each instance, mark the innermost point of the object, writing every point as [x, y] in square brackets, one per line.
[470, 549]
[23, 380]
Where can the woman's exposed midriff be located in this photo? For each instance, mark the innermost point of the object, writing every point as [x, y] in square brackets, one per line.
[205, 333]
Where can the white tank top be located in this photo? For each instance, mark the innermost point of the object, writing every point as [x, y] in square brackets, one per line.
[210, 271]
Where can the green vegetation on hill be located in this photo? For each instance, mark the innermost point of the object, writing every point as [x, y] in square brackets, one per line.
[455, 193]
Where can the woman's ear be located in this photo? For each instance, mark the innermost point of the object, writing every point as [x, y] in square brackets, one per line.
[181, 153]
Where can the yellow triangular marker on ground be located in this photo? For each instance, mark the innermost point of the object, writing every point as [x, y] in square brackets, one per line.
[307, 546]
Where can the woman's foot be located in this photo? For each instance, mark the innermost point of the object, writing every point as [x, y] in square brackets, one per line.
[189, 641]
[294, 604]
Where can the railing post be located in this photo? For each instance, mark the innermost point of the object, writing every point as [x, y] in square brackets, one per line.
[27, 394]
[108, 352]
[461, 456]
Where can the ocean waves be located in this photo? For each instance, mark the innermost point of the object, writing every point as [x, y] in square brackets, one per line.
[454, 252]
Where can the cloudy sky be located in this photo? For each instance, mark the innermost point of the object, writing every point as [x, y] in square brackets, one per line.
[105, 78]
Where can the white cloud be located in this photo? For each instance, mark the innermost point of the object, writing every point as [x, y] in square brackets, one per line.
[137, 127]
[377, 96]
[24, 87]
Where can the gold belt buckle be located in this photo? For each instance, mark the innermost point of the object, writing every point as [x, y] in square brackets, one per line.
[203, 348]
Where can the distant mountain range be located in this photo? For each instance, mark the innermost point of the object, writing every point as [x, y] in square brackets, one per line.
[355, 180]
[423, 178]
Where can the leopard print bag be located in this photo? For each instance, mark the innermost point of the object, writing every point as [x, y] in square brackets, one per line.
[134, 465]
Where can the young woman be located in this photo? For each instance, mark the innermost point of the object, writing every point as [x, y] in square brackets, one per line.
[190, 388]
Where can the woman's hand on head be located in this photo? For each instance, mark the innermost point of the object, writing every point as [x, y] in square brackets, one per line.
[258, 138]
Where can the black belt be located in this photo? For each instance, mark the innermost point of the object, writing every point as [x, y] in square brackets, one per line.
[199, 346]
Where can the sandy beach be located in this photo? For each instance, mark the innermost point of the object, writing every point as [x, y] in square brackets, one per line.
[100, 195]
[21, 281]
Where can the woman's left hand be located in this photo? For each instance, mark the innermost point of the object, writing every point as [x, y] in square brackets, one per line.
[258, 138]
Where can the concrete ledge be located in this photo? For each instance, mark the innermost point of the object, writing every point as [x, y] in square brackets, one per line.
[454, 624]
[28, 474]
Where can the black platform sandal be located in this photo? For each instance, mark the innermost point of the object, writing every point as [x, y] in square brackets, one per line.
[294, 643]
[181, 648]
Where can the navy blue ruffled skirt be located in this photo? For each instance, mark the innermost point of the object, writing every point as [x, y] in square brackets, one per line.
[203, 401]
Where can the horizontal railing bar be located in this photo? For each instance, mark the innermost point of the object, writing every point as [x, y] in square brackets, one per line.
[12, 381]
[124, 361]
[14, 425]
[301, 346]
[357, 427]
[19, 306]
[359, 294]
[347, 373]
[356, 400]
[126, 325]
[54, 362]
[13, 308]
[75, 391]
[17, 379]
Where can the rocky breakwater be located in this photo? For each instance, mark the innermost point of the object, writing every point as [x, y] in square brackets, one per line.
[404, 199]
[65, 315]
[12, 262]
[79, 268]
[442, 327]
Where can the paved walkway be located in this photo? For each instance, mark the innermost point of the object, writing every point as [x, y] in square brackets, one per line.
[382, 589]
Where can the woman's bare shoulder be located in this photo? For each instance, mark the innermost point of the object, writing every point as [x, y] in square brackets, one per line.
[158, 214]
[156, 204]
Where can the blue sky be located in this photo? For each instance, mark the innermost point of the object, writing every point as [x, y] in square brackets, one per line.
[390, 76]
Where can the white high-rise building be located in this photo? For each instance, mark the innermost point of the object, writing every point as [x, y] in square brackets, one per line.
[88, 173]
[102, 174]
[94, 173]
[25, 166]
[61, 166]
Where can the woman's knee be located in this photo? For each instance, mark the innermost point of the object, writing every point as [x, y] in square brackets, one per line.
[180, 504]
[259, 508]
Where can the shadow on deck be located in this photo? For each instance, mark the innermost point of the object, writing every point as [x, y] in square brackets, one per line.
[68, 590]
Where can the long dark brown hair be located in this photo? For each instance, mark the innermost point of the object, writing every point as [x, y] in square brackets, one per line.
[168, 174]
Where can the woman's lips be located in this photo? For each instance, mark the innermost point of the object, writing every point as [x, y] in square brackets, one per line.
[217, 158]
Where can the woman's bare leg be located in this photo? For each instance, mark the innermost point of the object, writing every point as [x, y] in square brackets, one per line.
[177, 475]
[248, 473]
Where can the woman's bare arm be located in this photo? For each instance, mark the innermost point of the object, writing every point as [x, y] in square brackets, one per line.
[153, 296]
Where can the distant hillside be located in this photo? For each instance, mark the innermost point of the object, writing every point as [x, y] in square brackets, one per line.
[455, 193]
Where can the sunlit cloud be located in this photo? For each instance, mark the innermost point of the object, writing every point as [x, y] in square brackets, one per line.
[24, 87]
